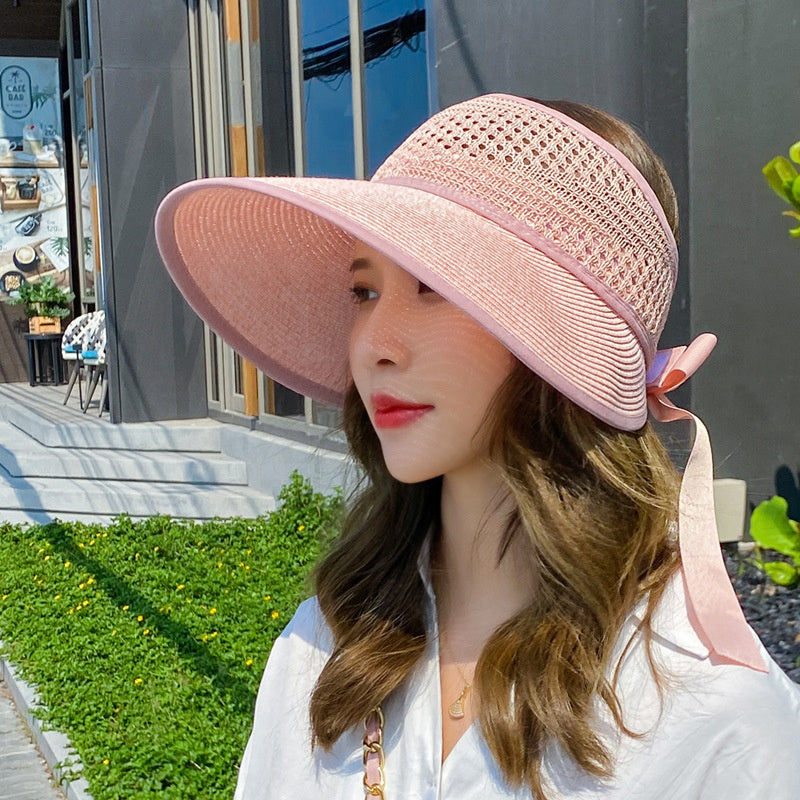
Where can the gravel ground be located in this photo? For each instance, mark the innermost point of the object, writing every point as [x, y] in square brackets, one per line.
[773, 611]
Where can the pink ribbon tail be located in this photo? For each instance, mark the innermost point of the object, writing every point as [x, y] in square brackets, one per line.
[713, 607]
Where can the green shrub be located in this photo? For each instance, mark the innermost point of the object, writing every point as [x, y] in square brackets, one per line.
[146, 639]
[783, 179]
[772, 530]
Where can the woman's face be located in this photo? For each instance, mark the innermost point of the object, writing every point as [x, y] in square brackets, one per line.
[426, 372]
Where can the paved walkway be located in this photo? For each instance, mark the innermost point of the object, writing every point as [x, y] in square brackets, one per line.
[23, 772]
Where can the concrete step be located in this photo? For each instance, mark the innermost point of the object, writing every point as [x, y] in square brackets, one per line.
[88, 498]
[48, 427]
[23, 456]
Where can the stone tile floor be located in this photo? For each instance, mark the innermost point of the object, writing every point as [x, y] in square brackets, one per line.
[23, 772]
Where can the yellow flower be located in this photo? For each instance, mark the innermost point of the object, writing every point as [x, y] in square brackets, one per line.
[81, 585]
[67, 564]
[267, 597]
[106, 761]
[212, 610]
[249, 662]
[181, 587]
[80, 544]
[301, 527]
[125, 608]
[47, 558]
[90, 582]
[140, 618]
[155, 549]
[138, 681]
[145, 632]
[204, 637]
[57, 597]
[275, 615]
[219, 564]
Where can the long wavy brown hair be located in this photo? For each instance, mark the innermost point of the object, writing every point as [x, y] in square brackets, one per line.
[595, 508]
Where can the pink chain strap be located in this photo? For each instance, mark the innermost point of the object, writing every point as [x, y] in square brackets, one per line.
[374, 779]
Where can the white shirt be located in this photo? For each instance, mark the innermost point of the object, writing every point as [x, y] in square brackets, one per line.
[724, 732]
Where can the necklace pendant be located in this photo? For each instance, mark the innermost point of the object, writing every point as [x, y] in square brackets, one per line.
[456, 709]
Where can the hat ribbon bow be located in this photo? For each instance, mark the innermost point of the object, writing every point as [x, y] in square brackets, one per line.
[714, 611]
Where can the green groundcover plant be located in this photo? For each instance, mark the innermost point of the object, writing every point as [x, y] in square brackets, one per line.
[146, 639]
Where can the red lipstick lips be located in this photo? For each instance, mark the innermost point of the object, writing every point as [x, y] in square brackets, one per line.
[393, 413]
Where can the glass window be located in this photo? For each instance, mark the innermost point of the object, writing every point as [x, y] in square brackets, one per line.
[328, 88]
[395, 47]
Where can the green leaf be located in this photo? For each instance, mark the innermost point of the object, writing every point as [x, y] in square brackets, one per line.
[782, 573]
[794, 152]
[771, 527]
[780, 174]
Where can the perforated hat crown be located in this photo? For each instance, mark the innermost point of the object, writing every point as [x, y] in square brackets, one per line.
[524, 171]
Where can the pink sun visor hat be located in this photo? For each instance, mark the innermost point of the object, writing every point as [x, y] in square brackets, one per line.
[534, 225]
[537, 227]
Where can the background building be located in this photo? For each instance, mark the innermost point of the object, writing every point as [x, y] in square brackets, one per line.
[168, 90]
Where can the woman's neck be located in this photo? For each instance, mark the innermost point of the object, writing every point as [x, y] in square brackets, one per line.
[476, 591]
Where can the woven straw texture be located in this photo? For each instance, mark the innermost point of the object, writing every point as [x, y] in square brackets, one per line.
[265, 260]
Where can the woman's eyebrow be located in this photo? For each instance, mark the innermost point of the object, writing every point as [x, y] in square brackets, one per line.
[360, 263]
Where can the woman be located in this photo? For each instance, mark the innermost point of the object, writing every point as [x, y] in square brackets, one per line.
[507, 612]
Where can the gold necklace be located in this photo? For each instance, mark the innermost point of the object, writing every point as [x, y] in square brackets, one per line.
[456, 708]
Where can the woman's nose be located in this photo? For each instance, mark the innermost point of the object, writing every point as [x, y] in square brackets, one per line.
[380, 335]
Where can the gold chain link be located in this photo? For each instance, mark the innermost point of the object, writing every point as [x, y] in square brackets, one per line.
[370, 748]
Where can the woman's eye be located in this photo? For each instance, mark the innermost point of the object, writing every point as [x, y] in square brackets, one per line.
[361, 294]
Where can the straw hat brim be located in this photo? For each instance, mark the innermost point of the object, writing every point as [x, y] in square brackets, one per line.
[265, 263]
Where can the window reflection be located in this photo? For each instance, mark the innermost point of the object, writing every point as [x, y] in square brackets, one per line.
[328, 89]
[395, 58]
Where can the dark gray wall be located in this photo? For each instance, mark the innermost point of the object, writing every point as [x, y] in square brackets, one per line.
[744, 108]
[714, 85]
[144, 132]
[28, 47]
[625, 56]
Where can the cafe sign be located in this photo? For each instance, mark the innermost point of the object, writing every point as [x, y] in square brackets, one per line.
[16, 98]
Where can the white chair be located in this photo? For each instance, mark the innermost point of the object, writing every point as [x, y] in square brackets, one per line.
[72, 346]
[94, 357]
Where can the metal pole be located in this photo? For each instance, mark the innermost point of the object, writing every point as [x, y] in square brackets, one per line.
[298, 94]
[357, 75]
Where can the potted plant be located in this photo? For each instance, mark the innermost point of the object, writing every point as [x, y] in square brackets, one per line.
[46, 304]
